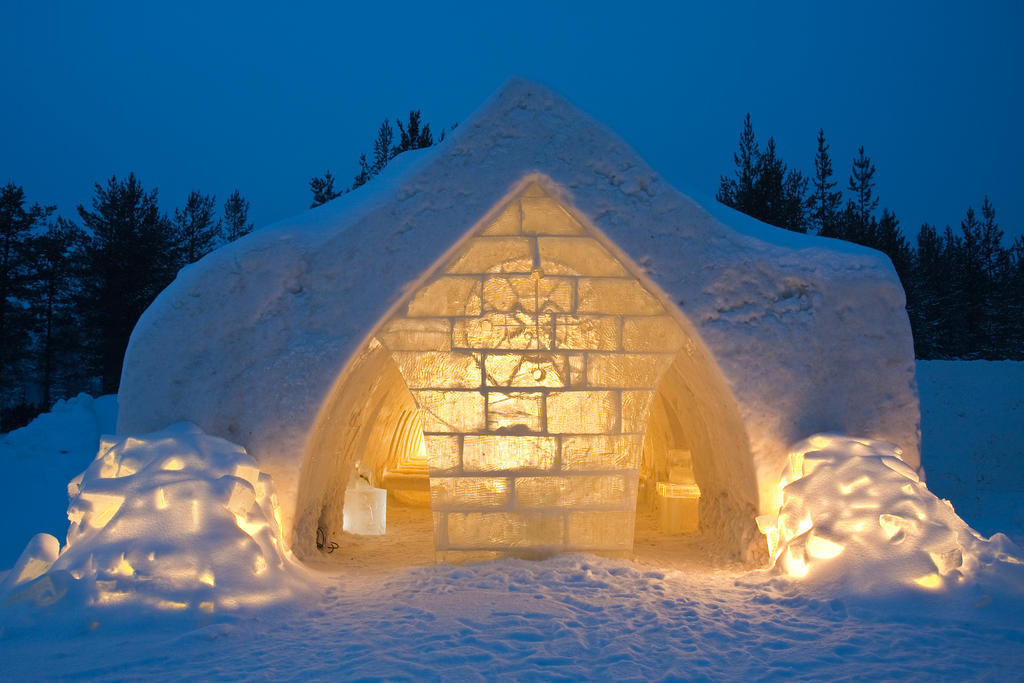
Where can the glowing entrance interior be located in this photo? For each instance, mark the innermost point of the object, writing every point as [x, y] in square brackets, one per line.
[515, 385]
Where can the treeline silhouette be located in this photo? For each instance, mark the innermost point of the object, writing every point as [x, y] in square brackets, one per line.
[71, 292]
[964, 287]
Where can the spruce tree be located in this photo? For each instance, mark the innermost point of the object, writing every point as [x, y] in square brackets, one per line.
[859, 215]
[825, 202]
[196, 228]
[762, 186]
[738, 191]
[236, 217]
[129, 257]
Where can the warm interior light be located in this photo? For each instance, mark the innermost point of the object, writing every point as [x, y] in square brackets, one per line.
[532, 356]
[930, 581]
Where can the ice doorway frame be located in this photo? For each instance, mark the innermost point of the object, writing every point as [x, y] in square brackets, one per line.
[367, 412]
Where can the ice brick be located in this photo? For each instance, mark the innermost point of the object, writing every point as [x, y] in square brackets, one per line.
[626, 369]
[636, 409]
[546, 216]
[526, 370]
[652, 333]
[439, 369]
[494, 255]
[601, 452]
[504, 529]
[514, 411]
[451, 295]
[515, 330]
[587, 332]
[505, 452]
[442, 452]
[529, 293]
[468, 492]
[582, 412]
[616, 296]
[604, 490]
[577, 256]
[541, 294]
[421, 334]
[601, 530]
[508, 222]
[450, 411]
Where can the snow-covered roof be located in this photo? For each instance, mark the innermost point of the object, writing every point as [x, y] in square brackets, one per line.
[810, 334]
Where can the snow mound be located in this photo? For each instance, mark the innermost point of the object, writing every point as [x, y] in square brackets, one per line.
[38, 460]
[858, 518]
[175, 520]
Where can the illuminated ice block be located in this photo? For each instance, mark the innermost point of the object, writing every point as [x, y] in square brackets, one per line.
[652, 333]
[508, 222]
[446, 296]
[365, 511]
[426, 334]
[616, 296]
[577, 256]
[515, 330]
[527, 370]
[494, 255]
[587, 332]
[545, 216]
[678, 507]
[438, 369]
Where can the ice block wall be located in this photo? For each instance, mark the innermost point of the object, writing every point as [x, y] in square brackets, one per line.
[533, 355]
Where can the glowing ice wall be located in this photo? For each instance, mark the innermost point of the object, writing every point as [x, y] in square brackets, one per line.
[533, 354]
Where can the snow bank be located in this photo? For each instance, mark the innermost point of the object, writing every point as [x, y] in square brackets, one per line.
[858, 519]
[39, 459]
[174, 520]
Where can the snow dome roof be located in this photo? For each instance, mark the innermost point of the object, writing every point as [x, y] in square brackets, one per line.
[809, 334]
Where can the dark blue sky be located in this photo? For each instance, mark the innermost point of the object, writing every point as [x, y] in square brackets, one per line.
[215, 95]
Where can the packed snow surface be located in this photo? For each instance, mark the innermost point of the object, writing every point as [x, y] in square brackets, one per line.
[858, 610]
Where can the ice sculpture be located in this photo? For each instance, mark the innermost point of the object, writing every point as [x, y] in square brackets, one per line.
[365, 511]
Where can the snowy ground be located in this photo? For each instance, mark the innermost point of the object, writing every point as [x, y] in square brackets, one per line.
[566, 618]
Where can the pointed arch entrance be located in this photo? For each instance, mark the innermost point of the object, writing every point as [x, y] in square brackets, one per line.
[555, 388]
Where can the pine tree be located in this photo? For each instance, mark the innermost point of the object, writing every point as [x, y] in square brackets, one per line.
[236, 217]
[762, 186]
[128, 259]
[365, 173]
[825, 202]
[1013, 301]
[738, 191]
[889, 239]
[412, 136]
[17, 222]
[861, 208]
[57, 255]
[323, 190]
[928, 294]
[196, 228]
[382, 149]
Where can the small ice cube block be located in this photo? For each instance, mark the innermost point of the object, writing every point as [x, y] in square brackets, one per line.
[365, 511]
